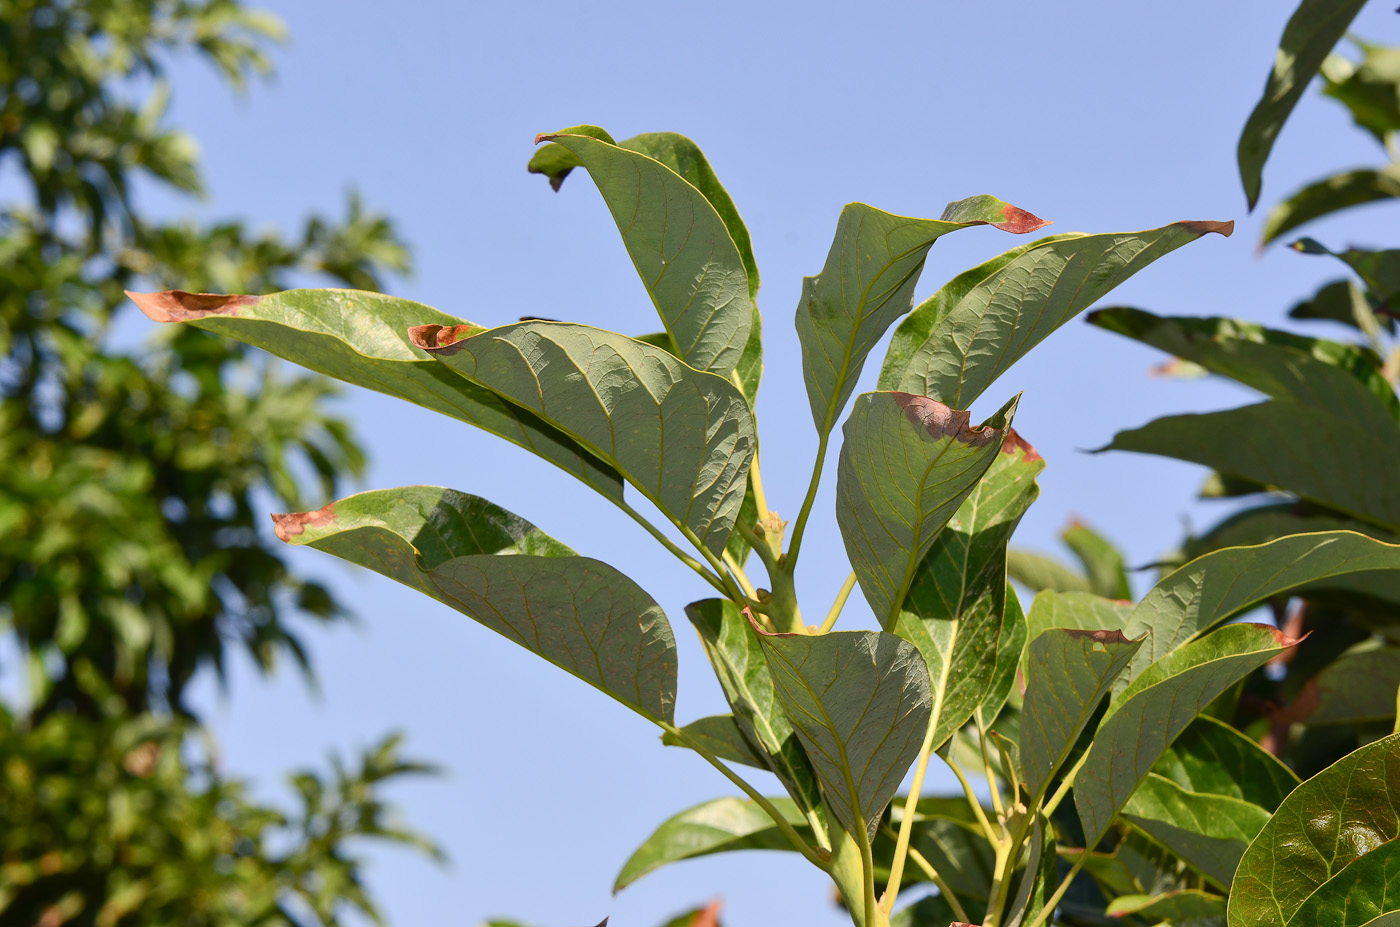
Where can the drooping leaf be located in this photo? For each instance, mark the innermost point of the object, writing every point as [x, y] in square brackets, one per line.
[684, 438]
[1212, 758]
[737, 657]
[1069, 671]
[682, 249]
[717, 826]
[1325, 834]
[867, 283]
[362, 338]
[1211, 832]
[1316, 26]
[1081, 610]
[578, 613]
[720, 734]
[1356, 688]
[1015, 631]
[859, 701]
[957, 343]
[1185, 908]
[1039, 572]
[1343, 301]
[1147, 716]
[1102, 561]
[1329, 195]
[906, 466]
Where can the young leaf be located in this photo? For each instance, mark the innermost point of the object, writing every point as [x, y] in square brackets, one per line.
[906, 466]
[721, 735]
[362, 338]
[1211, 832]
[1332, 839]
[1314, 28]
[1213, 758]
[682, 437]
[1330, 195]
[1148, 715]
[717, 826]
[955, 345]
[683, 251]
[859, 701]
[579, 614]
[737, 657]
[1069, 671]
[868, 282]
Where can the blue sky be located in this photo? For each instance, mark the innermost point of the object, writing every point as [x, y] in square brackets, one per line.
[1101, 117]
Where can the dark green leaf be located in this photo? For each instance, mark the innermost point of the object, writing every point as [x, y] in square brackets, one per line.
[906, 466]
[965, 336]
[720, 734]
[1311, 32]
[579, 614]
[1186, 908]
[1213, 758]
[1358, 687]
[1210, 832]
[1330, 195]
[1343, 301]
[1379, 270]
[684, 438]
[1370, 89]
[1010, 647]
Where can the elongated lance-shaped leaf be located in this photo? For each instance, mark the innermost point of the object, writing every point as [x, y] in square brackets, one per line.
[717, 826]
[579, 614]
[721, 735]
[1083, 611]
[1341, 378]
[867, 283]
[1329, 195]
[1010, 648]
[1147, 716]
[737, 657]
[859, 701]
[1211, 832]
[906, 465]
[1316, 26]
[957, 343]
[684, 438]
[1042, 573]
[1210, 589]
[1069, 671]
[1103, 562]
[1330, 826]
[1040, 878]
[362, 338]
[682, 250]
[1212, 758]
[1346, 302]
[955, 612]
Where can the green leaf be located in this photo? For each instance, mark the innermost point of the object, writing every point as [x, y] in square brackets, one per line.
[579, 614]
[1185, 908]
[1213, 758]
[1343, 301]
[1329, 195]
[362, 338]
[1364, 891]
[959, 341]
[1080, 610]
[1379, 270]
[1370, 89]
[867, 283]
[707, 916]
[1040, 878]
[717, 826]
[1069, 671]
[1328, 828]
[737, 657]
[1147, 716]
[720, 734]
[682, 249]
[1311, 32]
[684, 438]
[1038, 572]
[1356, 688]
[1010, 647]
[859, 701]
[932, 911]
[905, 467]
[1210, 589]
[1211, 832]
[1103, 563]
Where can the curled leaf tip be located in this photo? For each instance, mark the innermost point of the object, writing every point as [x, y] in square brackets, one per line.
[179, 306]
[1205, 227]
[940, 421]
[292, 524]
[542, 137]
[1017, 445]
[433, 338]
[1018, 221]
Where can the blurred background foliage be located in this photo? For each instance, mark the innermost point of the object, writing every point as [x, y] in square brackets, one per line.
[134, 482]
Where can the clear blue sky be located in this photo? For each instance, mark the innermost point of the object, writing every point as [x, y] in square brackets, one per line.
[1102, 117]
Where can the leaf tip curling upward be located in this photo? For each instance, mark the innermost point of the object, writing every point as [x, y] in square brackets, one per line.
[1205, 227]
[180, 306]
[290, 525]
[436, 338]
[1018, 221]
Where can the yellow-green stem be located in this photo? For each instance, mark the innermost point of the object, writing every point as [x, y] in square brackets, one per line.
[918, 859]
[840, 603]
[906, 826]
[992, 785]
[992, 836]
[1054, 901]
[799, 528]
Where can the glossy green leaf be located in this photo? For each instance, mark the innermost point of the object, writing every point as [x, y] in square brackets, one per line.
[362, 338]
[957, 343]
[1081, 610]
[906, 466]
[1069, 671]
[718, 826]
[1147, 716]
[1210, 589]
[720, 734]
[1327, 828]
[1010, 647]
[1211, 832]
[579, 614]
[737, 657]
[1367, 889]
[1213, 758]
[1316, 26]
[859, 701]
[1103, 563]
[1185, 908]
[867, 283]
[1330, 195]
[684, 438]
[682, 249]
[1343, 301]
[1039, 572]
[1356, 688]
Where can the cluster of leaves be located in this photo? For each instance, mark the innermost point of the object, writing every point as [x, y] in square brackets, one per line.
[130, 556]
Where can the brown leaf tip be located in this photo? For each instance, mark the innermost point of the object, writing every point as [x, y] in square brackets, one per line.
[179, 306]
[1099, 637]
[709, 915]
[290, 525]
[1015, 444]
[1018, 221]
[1206, 227]
[434, 338]
[940, 421]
